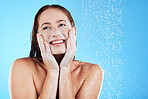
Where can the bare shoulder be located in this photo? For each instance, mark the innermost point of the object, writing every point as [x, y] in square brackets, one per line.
[92, 81]
[21, 77]
[26, 60]
[92, 69]
[26, 63]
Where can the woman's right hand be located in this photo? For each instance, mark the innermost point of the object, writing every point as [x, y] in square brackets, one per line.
[48, 58]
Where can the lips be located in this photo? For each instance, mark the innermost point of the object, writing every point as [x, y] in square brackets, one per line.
[58, 41]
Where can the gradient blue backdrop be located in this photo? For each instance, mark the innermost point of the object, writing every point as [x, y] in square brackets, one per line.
[112, 33]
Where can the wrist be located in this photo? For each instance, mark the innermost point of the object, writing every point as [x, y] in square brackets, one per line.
[64, 69]
[53, 72]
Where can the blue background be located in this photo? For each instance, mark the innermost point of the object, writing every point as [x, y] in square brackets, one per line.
[111, 33]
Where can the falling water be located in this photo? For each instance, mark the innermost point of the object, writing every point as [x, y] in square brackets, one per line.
[102, 30]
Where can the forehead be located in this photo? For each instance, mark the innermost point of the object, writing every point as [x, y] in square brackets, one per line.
[52, 15]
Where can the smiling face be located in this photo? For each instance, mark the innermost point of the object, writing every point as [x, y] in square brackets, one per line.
[54, 26]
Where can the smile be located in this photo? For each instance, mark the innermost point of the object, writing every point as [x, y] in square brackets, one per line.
[59, 41]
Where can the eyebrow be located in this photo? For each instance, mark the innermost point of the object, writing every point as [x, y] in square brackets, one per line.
[50, 23]
[60, 21]
[46, 23]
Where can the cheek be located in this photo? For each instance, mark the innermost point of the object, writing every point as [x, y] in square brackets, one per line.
[45, 36]
[65, 32]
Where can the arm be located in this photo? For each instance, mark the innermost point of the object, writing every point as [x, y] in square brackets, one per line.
[92, 84]
[65, 85]
[49, 89]
[21, 81]
[65, 82]
[22, 84]
[21, 78]
[90, 88]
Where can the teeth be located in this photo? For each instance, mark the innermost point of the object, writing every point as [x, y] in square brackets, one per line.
[60, 41]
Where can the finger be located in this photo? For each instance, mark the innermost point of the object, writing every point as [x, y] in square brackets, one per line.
[68, 44]
[70, 34]
[40, 42]
[42, 48]
[48, 50]
[73, 41]
[48, 58]
[41, 45]
[68, 52]
[74, 38]
[73, 44]
[68, 40]
[75, 47]
[71, 37]
[74, 34]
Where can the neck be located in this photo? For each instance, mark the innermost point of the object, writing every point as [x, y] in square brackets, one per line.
[59, 57]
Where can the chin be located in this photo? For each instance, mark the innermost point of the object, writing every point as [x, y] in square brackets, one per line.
[58, 51]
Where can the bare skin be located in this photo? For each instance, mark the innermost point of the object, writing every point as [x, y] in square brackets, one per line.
[58, 75]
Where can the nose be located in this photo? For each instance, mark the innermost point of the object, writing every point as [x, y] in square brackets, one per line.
[55, 33]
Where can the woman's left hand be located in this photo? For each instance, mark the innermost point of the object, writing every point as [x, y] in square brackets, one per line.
[71, 50]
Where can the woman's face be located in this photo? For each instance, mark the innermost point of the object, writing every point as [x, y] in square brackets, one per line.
[54, 27]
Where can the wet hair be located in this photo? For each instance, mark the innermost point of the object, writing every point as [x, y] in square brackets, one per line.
[35, 50]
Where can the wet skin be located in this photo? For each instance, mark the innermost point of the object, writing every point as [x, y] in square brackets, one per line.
[31, 79]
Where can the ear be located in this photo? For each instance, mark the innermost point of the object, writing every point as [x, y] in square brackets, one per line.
[75, 30]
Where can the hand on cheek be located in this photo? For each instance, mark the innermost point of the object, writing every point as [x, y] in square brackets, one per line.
[48, 58]
[71, 49]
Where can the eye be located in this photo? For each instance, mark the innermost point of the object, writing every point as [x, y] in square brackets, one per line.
[46, 28]
[62, 25]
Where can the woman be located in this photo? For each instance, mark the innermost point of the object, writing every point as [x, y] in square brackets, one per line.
[51, 71]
